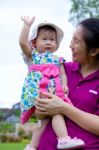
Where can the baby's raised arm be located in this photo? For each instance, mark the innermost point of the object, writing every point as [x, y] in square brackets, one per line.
[23, 39]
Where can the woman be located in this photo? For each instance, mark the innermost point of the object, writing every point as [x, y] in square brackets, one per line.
[83, 80]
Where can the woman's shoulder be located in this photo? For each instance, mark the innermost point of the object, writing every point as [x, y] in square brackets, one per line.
[71, 65]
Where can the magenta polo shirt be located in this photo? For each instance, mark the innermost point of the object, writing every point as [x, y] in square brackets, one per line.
[84, 93]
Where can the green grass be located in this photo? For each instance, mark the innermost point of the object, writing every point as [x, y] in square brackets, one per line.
[12, 146]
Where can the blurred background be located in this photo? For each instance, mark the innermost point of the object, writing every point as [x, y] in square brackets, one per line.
[64, 13]
[12, 67]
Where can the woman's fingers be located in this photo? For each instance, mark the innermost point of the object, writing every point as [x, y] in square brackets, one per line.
[46, 94]
[49, 104]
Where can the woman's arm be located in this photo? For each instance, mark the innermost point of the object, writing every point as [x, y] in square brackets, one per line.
[23, 40]
[87, 121]
[54, 105]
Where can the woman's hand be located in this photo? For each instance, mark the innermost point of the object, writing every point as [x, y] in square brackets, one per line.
[51, 105]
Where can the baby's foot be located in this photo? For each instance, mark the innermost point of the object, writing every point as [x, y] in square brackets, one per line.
[28, 147]
[68, 143]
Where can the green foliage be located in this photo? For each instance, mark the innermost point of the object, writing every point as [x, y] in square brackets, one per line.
[12, 146]
[2, 114]
[33, 119]
[6, 127]
[23, 135]
[9, 138]
[81, 9]
[17, 112]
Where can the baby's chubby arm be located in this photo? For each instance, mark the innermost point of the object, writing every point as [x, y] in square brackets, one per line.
[23, 39]
[64, 79]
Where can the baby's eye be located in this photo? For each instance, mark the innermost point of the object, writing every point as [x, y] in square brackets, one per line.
[44, 39]
[52, 39]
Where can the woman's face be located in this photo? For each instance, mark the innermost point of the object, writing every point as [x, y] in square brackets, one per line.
[78, 46]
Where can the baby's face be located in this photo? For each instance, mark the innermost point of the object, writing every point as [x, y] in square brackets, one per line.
[46, 41]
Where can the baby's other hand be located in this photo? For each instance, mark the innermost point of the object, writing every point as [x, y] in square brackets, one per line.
[27, 20]
[66, 89]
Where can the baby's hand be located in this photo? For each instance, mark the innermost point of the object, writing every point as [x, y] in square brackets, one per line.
[66, 89]
[28, 21]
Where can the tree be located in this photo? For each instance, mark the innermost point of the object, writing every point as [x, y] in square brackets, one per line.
[81, 9]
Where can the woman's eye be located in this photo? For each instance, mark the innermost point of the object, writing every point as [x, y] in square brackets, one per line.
[76, 41]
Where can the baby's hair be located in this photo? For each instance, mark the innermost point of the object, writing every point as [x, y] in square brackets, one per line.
[47, 28]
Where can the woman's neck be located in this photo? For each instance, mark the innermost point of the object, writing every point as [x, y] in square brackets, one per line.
[87, 69]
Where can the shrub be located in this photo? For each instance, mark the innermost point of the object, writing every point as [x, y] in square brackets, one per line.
[6, 127]
[9, 138]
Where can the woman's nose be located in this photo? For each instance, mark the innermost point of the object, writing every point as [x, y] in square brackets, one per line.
[71, 44]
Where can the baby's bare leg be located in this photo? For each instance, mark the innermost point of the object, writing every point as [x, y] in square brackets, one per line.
[37, 134]
[59, 126]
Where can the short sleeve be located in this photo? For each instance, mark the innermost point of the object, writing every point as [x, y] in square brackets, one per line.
[61, 60]
[27, 60]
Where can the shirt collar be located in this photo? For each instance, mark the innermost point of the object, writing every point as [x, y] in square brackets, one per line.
[76, 67]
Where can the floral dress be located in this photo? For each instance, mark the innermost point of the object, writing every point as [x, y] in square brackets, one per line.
[31, 87]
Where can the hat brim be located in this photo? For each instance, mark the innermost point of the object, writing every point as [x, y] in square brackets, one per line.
[59, 32]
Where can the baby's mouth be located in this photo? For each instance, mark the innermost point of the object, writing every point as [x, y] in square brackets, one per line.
[48, 48]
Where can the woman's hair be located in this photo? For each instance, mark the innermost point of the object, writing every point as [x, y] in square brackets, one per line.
[91, 33]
